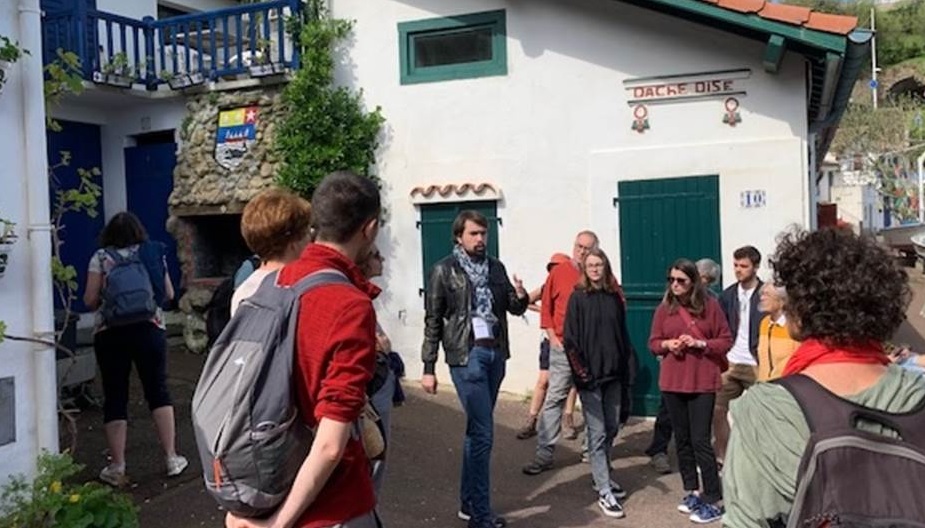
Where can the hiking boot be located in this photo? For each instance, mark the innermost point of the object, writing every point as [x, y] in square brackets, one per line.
[113, 476]
[611, 506]
[536, 467]
[528, 430]
[690, 503]
[615, 488]
[176, 464]
[659, 463]
[707, 513]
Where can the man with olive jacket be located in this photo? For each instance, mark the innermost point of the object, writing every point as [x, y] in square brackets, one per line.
[468, 296]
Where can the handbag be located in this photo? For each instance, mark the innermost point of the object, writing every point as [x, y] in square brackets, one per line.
[695, 331]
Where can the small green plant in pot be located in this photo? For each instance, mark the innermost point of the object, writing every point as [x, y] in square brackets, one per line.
[52, 498]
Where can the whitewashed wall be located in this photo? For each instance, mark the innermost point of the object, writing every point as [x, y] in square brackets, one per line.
[554, 135]
[16, 309]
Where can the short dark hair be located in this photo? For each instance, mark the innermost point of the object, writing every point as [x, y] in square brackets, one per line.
[341, 204]
[842, 288]
[748, 252]
[123, 230]
[468, 215]
[696, 302]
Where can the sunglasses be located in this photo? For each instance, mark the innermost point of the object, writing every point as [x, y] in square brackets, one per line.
[680, 280]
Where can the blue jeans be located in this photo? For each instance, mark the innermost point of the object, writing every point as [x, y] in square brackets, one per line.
[477, 385]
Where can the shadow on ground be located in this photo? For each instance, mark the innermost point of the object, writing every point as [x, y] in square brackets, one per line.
[421, 490]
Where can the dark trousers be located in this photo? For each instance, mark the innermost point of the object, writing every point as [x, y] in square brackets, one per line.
[692, 418]
[477, 384]
[143, 344]
[661, 436]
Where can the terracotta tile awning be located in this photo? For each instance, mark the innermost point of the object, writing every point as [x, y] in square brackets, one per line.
[790, 14]
[455, 192]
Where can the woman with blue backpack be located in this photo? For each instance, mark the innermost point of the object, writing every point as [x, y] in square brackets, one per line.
[126, 283]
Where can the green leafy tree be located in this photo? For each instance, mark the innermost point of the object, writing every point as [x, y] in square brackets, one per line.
[883, 144]
[326, 127]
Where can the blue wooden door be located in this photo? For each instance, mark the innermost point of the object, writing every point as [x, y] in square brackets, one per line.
[148, 184]
[661, 221]
[82, 142]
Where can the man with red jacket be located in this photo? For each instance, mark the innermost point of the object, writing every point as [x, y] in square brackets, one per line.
[334, 360]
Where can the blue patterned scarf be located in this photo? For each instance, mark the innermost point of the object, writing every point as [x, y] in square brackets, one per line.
[477, 270]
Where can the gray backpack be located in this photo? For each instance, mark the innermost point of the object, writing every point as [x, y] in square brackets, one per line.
[853, 478]
[128, 296]
[250, 437]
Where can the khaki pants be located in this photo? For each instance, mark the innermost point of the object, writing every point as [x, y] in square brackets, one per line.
[735, 381]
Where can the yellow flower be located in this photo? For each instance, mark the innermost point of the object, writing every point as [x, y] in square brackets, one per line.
[74, 498]
[56, 487]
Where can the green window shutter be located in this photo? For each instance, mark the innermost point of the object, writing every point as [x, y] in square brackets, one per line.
[437, 230]
[660, 221]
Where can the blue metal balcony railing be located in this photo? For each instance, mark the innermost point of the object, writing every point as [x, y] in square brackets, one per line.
[217, 44]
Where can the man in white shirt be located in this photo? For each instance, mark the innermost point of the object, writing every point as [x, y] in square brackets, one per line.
[740, 303]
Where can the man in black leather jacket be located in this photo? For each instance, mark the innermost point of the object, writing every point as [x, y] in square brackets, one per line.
[468, 298]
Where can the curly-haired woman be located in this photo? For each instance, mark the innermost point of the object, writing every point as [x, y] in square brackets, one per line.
[845, 296]
[691, 335]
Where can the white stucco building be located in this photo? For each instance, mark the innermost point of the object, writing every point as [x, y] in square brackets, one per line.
[672, 128]
[28, 410]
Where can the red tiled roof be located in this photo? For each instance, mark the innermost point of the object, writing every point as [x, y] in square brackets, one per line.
[793, 15]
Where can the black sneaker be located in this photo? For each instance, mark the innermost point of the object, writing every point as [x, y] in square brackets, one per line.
[536, 467]
[615, 488]
[496, 522]
[465, 515]
[611, 506]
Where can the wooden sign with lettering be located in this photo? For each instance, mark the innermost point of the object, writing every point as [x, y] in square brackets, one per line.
[680, 88]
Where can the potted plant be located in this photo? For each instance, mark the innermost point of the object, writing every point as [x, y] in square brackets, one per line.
[7, 238]
[260, 63]
[10, 53]
[116, 72]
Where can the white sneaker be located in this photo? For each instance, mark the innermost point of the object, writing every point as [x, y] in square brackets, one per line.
[176, 464]
[114, 477]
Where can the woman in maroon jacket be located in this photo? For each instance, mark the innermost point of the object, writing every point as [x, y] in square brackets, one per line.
[691, 336]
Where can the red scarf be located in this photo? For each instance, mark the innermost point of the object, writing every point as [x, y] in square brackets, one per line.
[814, 351]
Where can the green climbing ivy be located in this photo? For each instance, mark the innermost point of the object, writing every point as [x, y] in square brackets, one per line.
[326, 127]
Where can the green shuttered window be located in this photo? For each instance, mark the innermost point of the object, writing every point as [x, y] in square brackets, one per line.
[458, 47]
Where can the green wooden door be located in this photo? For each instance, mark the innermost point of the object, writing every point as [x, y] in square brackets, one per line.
[661, 221]
[437, 230]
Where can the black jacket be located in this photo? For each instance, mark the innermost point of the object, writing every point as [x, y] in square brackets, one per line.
[729, 301]
[448, 318]
[595, 328]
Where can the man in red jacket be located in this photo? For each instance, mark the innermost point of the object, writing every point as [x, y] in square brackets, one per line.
[335, 358]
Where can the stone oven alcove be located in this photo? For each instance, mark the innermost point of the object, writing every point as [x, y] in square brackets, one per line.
[216, 246]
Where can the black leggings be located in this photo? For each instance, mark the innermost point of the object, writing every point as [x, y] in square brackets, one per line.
[692, 419]
[116, 349]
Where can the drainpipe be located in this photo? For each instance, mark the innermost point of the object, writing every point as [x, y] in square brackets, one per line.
[44, 382]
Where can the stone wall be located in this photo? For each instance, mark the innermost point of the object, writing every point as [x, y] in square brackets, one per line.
[201, 185]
